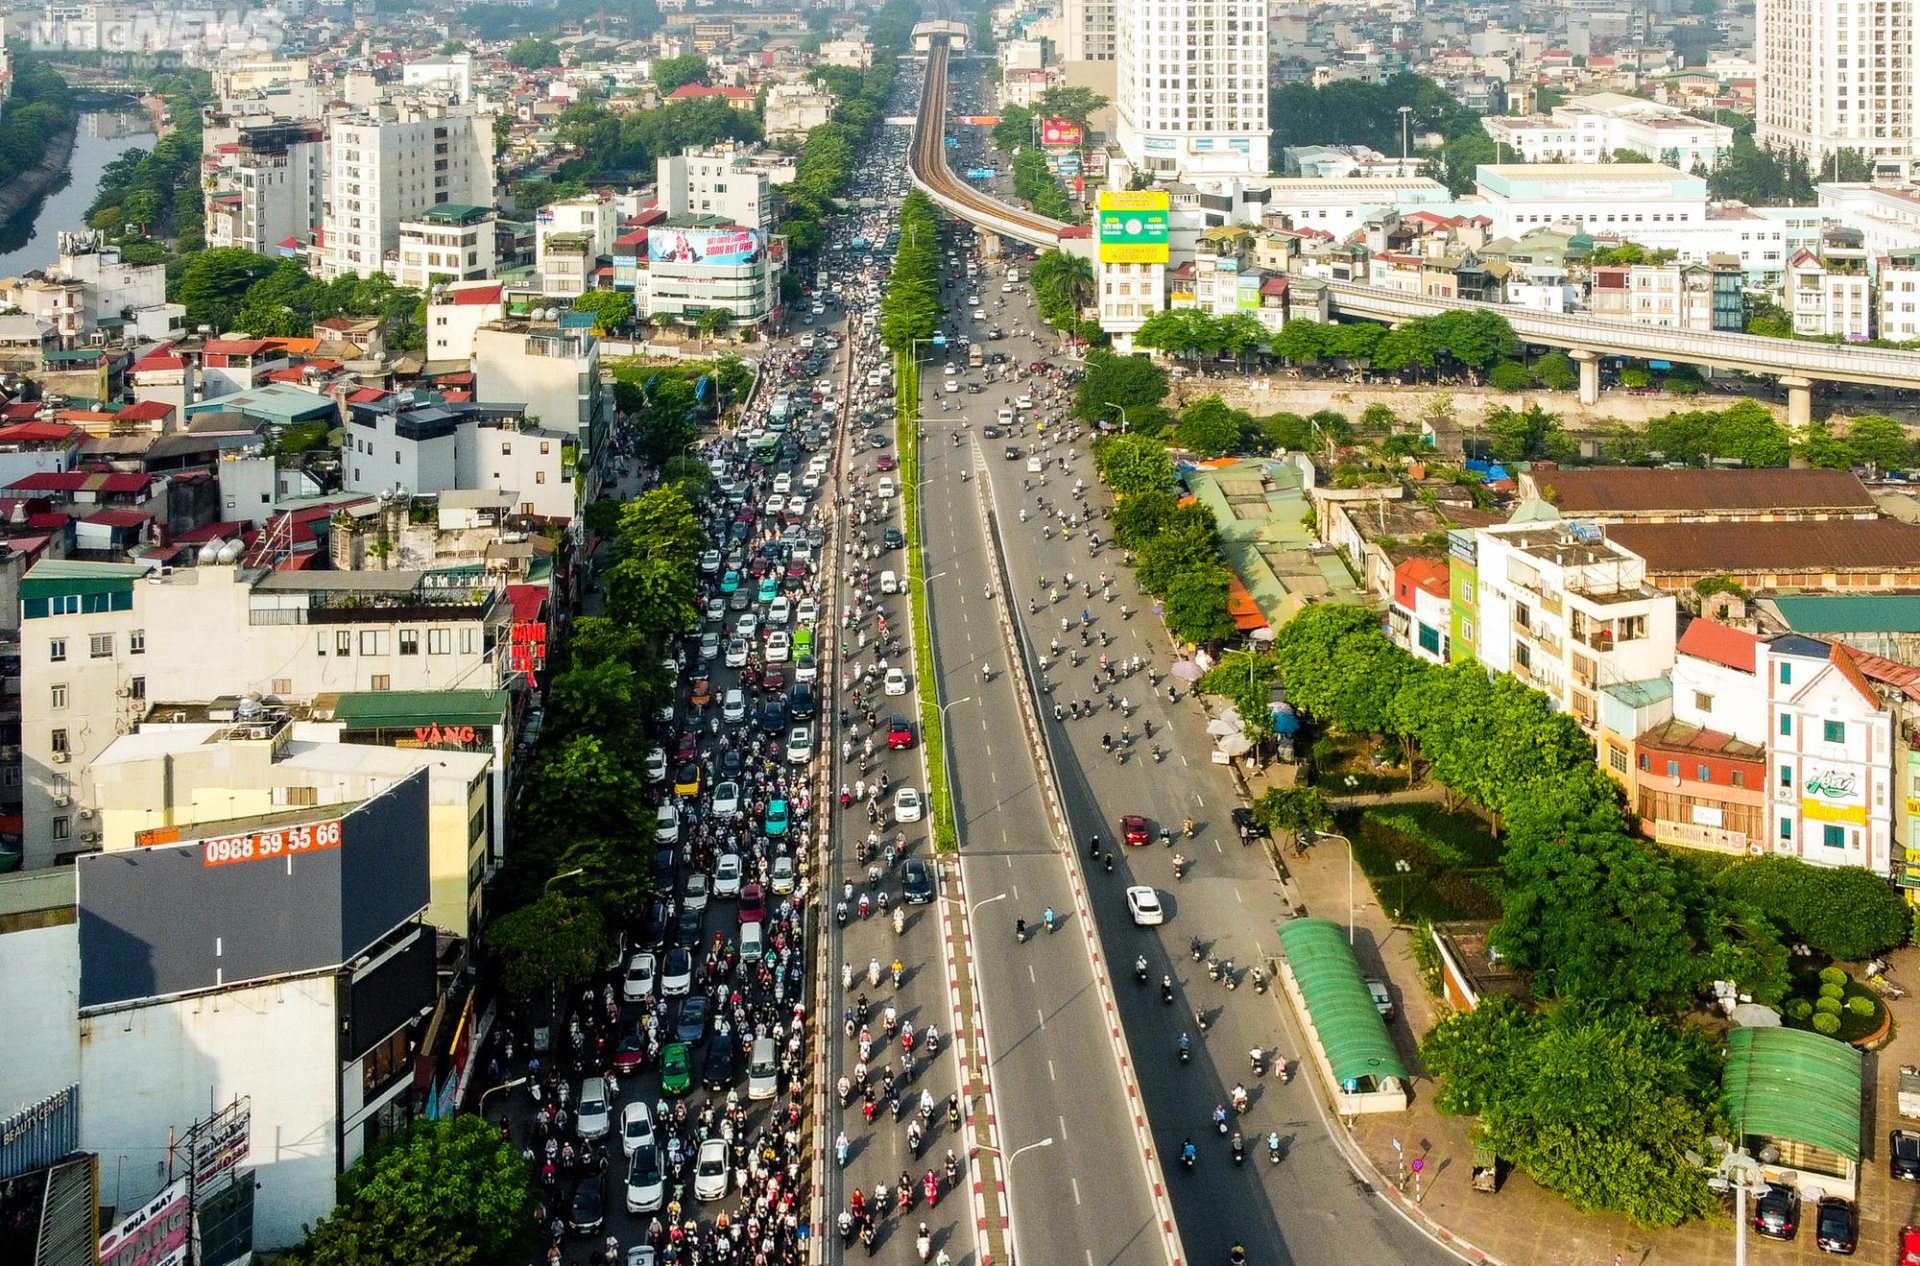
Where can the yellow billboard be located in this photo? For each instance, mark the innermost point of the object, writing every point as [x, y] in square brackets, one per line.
[1134, 226]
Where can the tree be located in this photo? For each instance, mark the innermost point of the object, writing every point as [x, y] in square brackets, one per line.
[670, 73]
[602, 699]
[215, 282]
[1298, 808]
[1188, 542]
[1063, 287]
[556, 942]
[451, 1192]
[1519, 435]
[1141, 516]
[584, 783]
[1208, 427]
[1555, 371]
[1132, 464]
[611, 309]
[1818, 446]
[1379, 418]
[1747, 432]
[1881, 442]
[1509, 375]
[538, 53]
[1844, 911]
[1196, 605]
[1302, 342]
[1077, 104]
[714, 322]
[1123, 381]
[1601, 1106]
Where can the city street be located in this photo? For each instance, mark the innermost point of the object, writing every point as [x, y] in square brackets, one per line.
[1307, 1208]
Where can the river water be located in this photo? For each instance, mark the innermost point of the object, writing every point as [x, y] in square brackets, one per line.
[31, 239]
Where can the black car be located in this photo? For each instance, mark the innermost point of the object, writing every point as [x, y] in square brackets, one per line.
[800, 703]
[918, 882]
[1836, 1226]
[893, 538]
[691, 1025]
[1903, 1154]
[1776, 1215]
[722, 1062]
[659, 920]
[688, 930]
[1012, 453]
[730, 764]
[589, 1210]
[773, 717]
[663, 862]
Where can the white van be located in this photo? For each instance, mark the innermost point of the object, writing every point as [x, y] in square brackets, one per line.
[1004, 417]
[753, 942]
[889, 583]
[763, 1071]
[592, 1114]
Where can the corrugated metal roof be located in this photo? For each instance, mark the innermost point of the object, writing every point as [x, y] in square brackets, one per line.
[1791, 1084]
[1797, 546]
[1350, 1029]
[390, 709]
[1625, 490]
[1850, 613]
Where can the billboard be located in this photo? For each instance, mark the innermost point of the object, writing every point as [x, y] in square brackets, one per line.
[730, 245]
[1134, 227]
[1060, 132]
[155, 1235]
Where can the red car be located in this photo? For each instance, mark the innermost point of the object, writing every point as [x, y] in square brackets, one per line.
[899, 733]
[631, 1051]
[1133, 829]
[1910, 1246]
[883, 462]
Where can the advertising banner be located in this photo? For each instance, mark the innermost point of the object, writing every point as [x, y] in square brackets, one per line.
[153, 1236]
[1060, 132]
[977, 120]
[1134, 227]
[730, 245]
[1069, 164]
[1833, 794]
[1246, 296]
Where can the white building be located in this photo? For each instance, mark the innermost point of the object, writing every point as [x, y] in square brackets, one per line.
[114, 287]
[1838, 74]
[1887, 216]
[393, 163]
[793, 110]
[1091, 31]
[455, 312]
[271, 189]
[1191, 86]
[100, 639]
[697, 264]
[1568, 612]
[717, 182]
[452, 73]
[1591, 129]
[1831, 747]
[447, 243]
[1829, 293]
[569, 238]
[434, 448]
[1900, 297]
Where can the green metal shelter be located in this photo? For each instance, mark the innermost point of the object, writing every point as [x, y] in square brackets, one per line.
[1795, 1087]
[1334, 992]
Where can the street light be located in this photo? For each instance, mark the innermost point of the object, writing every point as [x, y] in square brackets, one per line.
[1742, 1173]
[1334, 835]
[949, 703]
[480, 1108]
[1404, 112]
[565, 874]
[1401, 867]
[1006, 1169]
[1122, 412]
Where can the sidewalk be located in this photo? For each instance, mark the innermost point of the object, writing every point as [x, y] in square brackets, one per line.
[1524, 1225]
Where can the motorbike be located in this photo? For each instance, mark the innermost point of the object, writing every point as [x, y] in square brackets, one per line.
[1140, 969]
[1273, 1147]
[1187, 1156]
[1196, 949]
[1228, 978]
[1185, 1049]
[1213, 969]
[1257, 1061]
[1239, 1145]
[1166, 991]
[1283, 1069]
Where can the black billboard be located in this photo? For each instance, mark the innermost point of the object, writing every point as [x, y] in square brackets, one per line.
[304, 895]
[387, 996]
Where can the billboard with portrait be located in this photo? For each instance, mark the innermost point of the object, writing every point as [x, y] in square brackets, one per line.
[729, 245]
[1134, 227]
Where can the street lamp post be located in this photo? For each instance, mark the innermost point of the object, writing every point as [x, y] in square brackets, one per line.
[480, 1108]
[1405, 111]
[1334, 835]
[1739, 1172]
[1123, 415]
[1401, 867]
[1006, 1169]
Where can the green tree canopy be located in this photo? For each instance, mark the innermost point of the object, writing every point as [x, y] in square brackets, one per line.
[1133, 464]
[1114, 382]
[670, 73]
[1208, 427]
[1844, 911]
[537, 53]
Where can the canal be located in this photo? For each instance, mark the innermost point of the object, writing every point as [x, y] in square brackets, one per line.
[31, 239]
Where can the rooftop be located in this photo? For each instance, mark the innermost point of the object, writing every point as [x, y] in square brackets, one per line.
[1840, 614]
[1791, 1084]
[1721, 644]
[1807, 546]
[1622, 490]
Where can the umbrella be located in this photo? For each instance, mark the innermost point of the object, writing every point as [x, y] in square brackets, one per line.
[1285, 723]
[1220, 727]
[1185, 670]
[1235, 745]
[1262, 634]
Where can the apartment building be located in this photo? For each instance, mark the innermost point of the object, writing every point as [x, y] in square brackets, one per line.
[715, 182]
[1899, 296]
[99, 640]
[1568, 612]
[1191, 87]
[1593, 128]
[1705, 296]
[1831, 748]
[1699, 778]
[1090, 31]
[451, 242]
[456, 311]
[569, 239]
[1829, 291]
[1420, 616]
[1838, 74]
[394, 162]
[433, 447]
[271, 189]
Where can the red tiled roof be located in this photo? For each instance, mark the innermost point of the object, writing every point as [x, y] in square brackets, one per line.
[214, 532]
[688, 92]
[118, 518]
[472, 296]
[366, 395]
[527, 601]
[237, 346]
[1428, 574]
[37, 432]
[159, 361]
[19, 411]
[1902, 677]
[80, 481]
[1720, 644]
[146, 411]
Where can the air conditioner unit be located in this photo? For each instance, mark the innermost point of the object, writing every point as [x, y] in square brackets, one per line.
[90, 837]
[86, 814]
[59, 758]
[61, 802]
[124, 692]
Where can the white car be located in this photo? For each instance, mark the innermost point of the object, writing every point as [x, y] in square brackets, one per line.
[733, 705]
[952, 370]
[818, 464]
[668, 822]
[711, 1171]
[800, 745]
[783, 483]
[710, 561]
[592, 1115]
[896, 682]
[775, 504]
[726, 800]
[1143, 903]
[676, 978]
[726, 875]
[696, 894]
[885, 488]
[1023, 402]
[953, 384]
[746, 626]
[1006, 287]
[780, 876]
[640, 977]
[779, 646]
[716, 610]
[646, 1187]
[737, 653]
[657, 765]
[636, 1126]
[810, 482]
[807, 612]
[806, 668]
[906, 805]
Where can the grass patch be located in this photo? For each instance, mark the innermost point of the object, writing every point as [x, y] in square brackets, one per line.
[1452, 861]
[1345, 765]
[933, 736]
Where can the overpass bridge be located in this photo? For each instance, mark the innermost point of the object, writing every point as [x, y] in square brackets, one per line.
[940, 30]
[927, 164]
[1797, 365]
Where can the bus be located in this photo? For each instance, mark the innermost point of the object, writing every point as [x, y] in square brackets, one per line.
[976, 357]
[782, 406]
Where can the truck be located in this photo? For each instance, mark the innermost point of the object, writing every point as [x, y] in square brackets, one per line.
[976, 357]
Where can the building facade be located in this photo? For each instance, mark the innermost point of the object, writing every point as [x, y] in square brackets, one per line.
[1191, 87]
[1831, 748]
[394, 163]
[1838, 74]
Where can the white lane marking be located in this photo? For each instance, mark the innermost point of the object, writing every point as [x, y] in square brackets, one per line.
[1043, 1018]
[1063, 1128]
[1075, 1182]
[1051, 1075]
[1031, 978]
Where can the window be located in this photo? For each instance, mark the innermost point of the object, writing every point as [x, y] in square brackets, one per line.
[373, 642]
[1786, 724]
[1786, 828]
[63, 828]
[1786, 676]
[64, 604]
[539, 476]
[381, 682]
[1617, 759]
[409, 641]
[1673, 769]
[1738, 778]
[1646, 763]
[1834, 731]
[137, 688]
[57, 741]
[58, 697]
[439, 641]
[57, 650]
[1702, 774]
[342, 642]
[137, 642]
[468, 641]
[1833, 835]
[1702, 701]
[1786, 775]
[100, 646]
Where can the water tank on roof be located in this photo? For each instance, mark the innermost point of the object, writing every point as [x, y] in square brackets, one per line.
[210, 552]
[249, 708]
[231, 551]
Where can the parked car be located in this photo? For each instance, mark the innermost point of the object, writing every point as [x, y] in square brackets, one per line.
[1903, 1154]
[1776, 1214]
[1836, 1226]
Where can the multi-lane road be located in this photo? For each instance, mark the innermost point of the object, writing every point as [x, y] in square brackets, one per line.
[1085, 1197]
